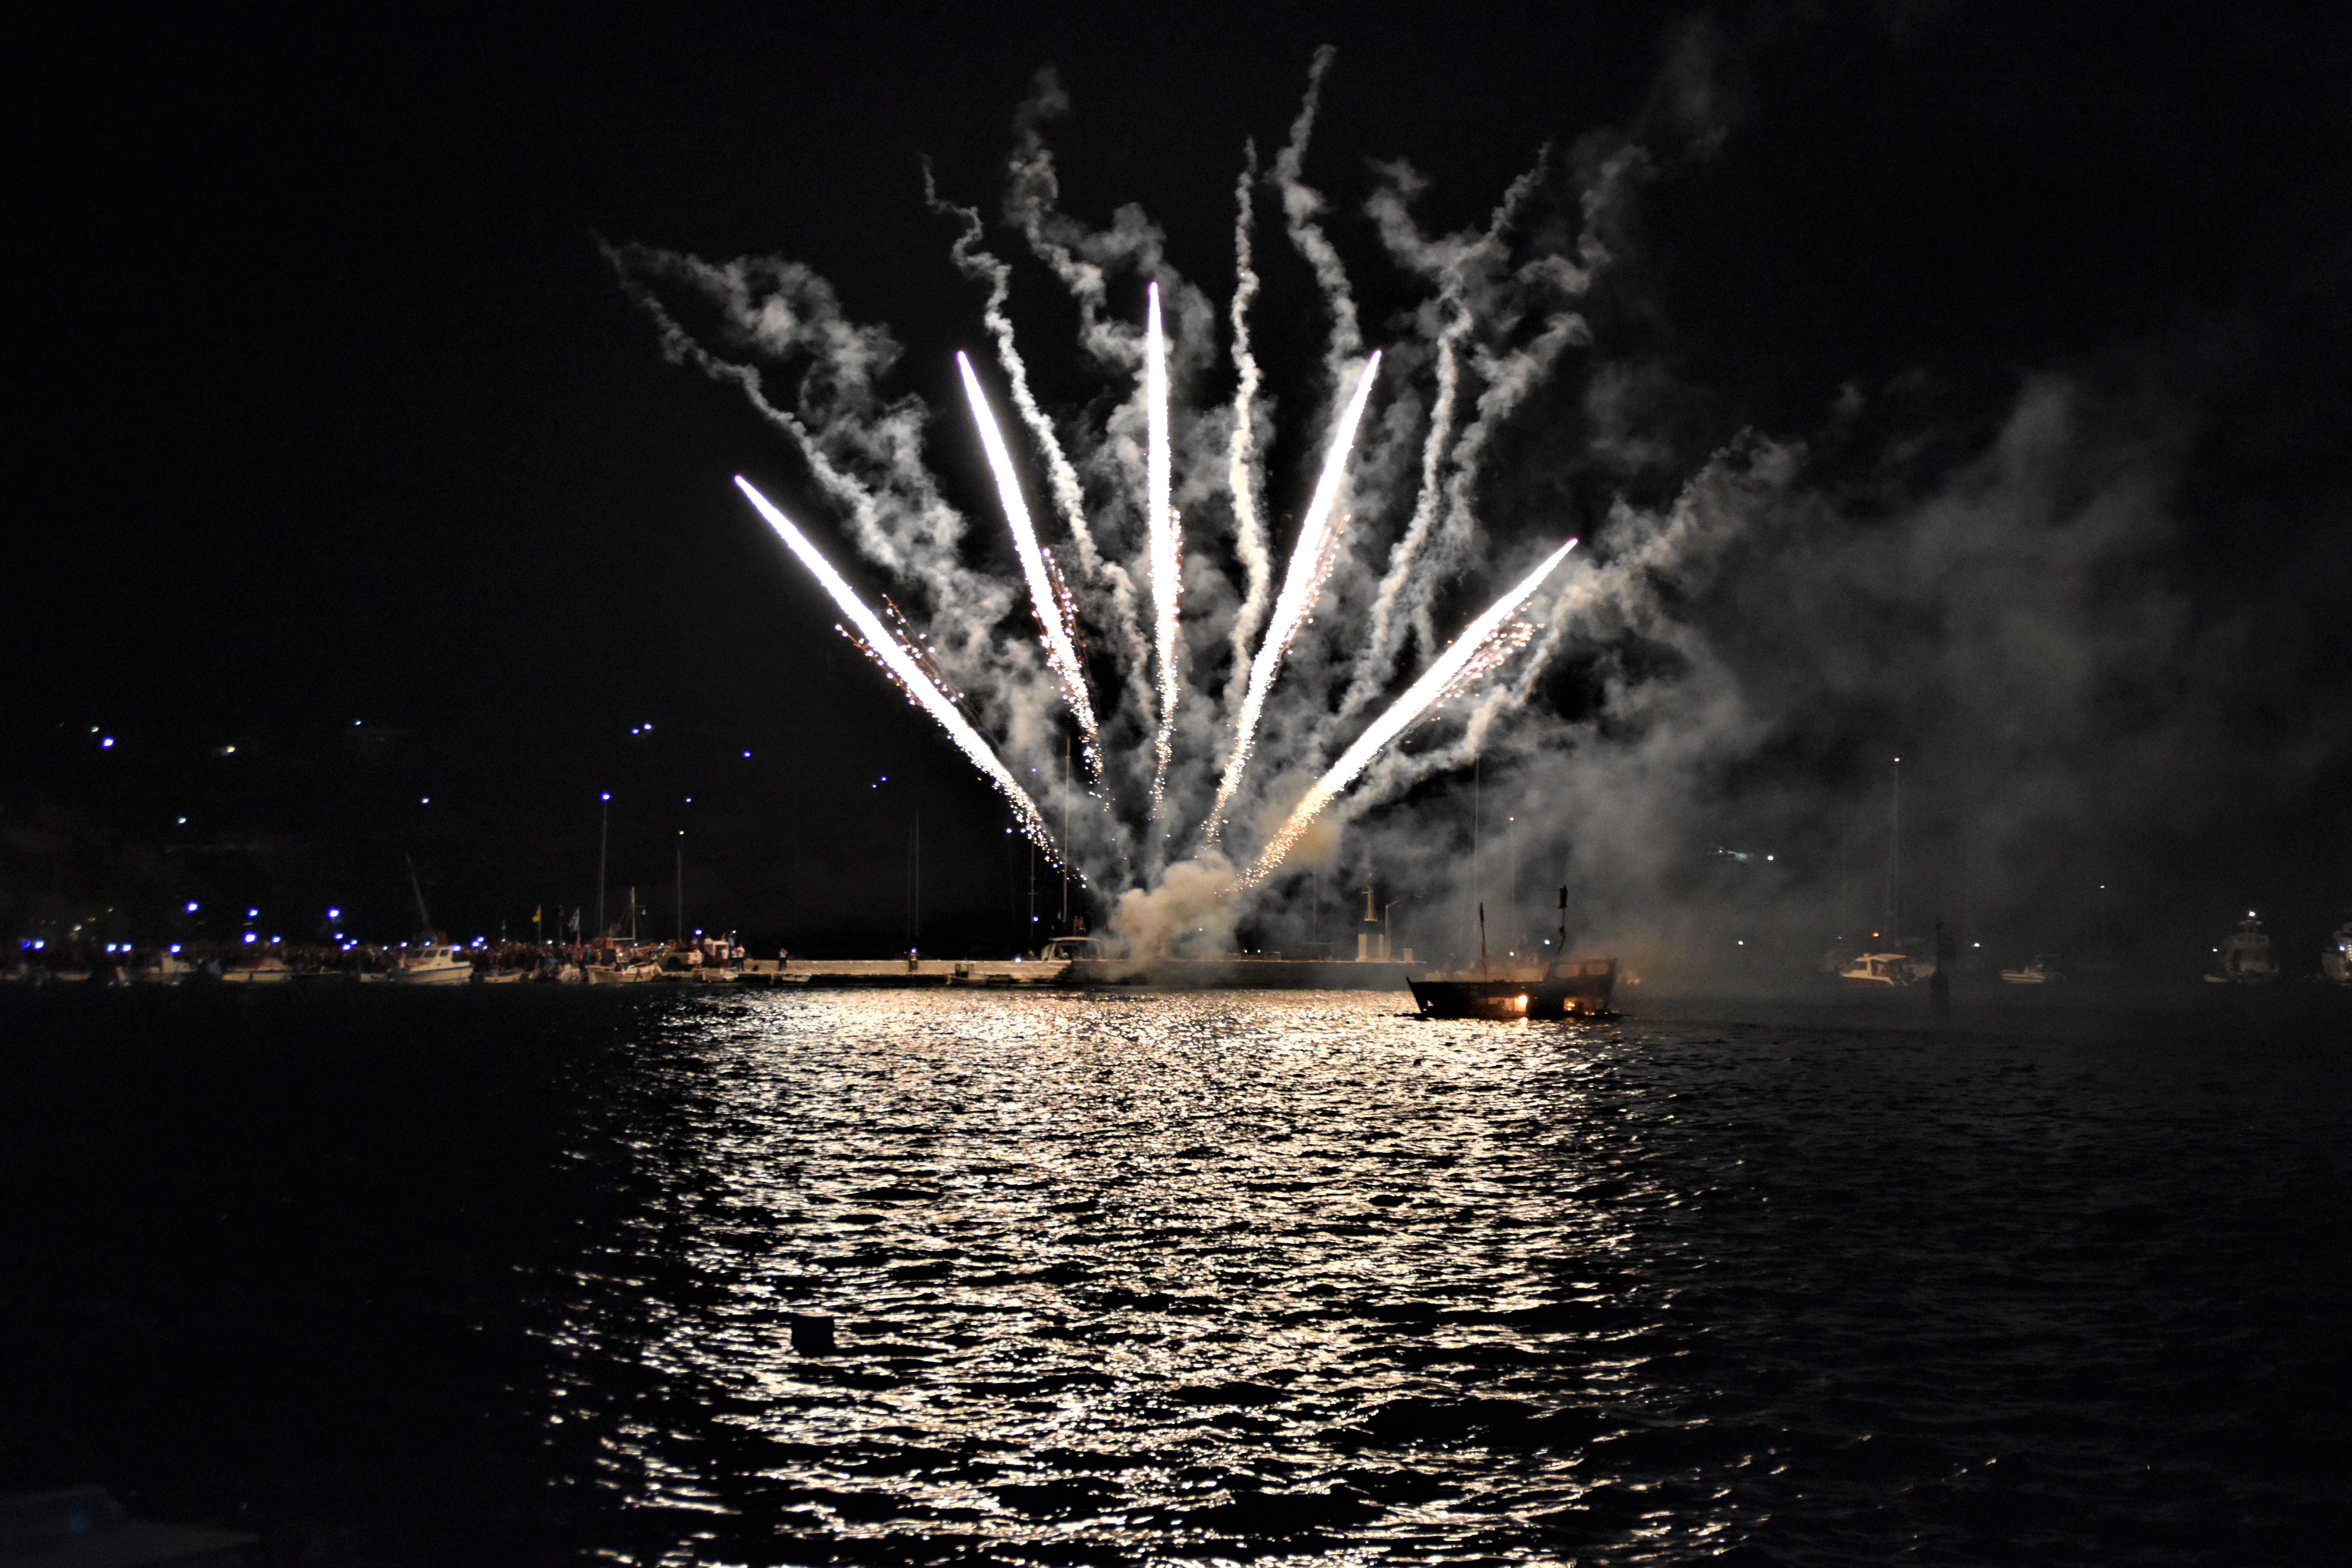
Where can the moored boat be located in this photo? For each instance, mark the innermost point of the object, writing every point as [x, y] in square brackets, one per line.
[1881, 968]
[1564, 988]
[2244, 956]
[2037, 972]
[437, 962]
[2336, 958]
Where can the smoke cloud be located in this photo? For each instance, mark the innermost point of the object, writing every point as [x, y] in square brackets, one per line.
[1690, 724]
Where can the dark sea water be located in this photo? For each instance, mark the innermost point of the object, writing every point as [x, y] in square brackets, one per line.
[509, 1278]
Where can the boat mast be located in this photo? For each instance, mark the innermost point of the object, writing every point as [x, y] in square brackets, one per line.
[680, 938]
[603, 853]
[1560, 954]
[1481, 939]
[1894, 846]
[425, 919]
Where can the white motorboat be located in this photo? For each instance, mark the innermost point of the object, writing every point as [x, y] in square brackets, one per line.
[2037, 972]
[1880, 969]
[2244, 956]
[435, 963]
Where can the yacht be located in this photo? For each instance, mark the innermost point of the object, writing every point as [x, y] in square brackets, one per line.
[2244, 956]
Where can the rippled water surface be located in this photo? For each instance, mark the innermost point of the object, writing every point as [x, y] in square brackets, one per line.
[1135, 1277]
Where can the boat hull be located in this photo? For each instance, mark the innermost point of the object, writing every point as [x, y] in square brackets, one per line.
[432, 976]
[1581, 989]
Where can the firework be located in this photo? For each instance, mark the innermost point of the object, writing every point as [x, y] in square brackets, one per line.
[1053, 617]
[1302, 583]
[1432, 687]
[1167, 546]
[903, 666]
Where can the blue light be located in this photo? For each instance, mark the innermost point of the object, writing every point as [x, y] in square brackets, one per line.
[249, 938]
[747, 753]
[427, 801]
[606, 795]
[39, 944]
[106, 744]
[335, 914]
[192, 906]
[175, 947]
[252, 914]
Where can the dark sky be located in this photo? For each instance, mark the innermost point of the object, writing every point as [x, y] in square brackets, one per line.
[337, 444]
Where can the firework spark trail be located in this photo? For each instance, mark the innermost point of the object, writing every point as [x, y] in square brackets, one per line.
[1240, 454]
[1434, 683]
[1300, 204]
[1059, 652]
[917, 684]
[1309, 560]
[1166, 543]
[1060, 478]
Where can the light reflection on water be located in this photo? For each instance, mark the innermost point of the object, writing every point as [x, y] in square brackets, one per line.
[1150, 1277]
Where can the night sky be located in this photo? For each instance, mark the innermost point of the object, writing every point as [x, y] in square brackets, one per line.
[337, 444]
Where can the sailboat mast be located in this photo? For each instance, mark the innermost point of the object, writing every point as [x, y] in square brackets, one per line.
[1894, 846]
[1481, 939]
[423, 916]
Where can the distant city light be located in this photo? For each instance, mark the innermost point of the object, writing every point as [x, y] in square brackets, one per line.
[106, 744]
[747, 753]
[252, 914]
[184, 822]
[192, 906]
[427, 800]
[335, 914]
[250, 937]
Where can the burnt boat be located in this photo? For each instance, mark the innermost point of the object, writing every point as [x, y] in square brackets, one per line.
[1564, 988]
